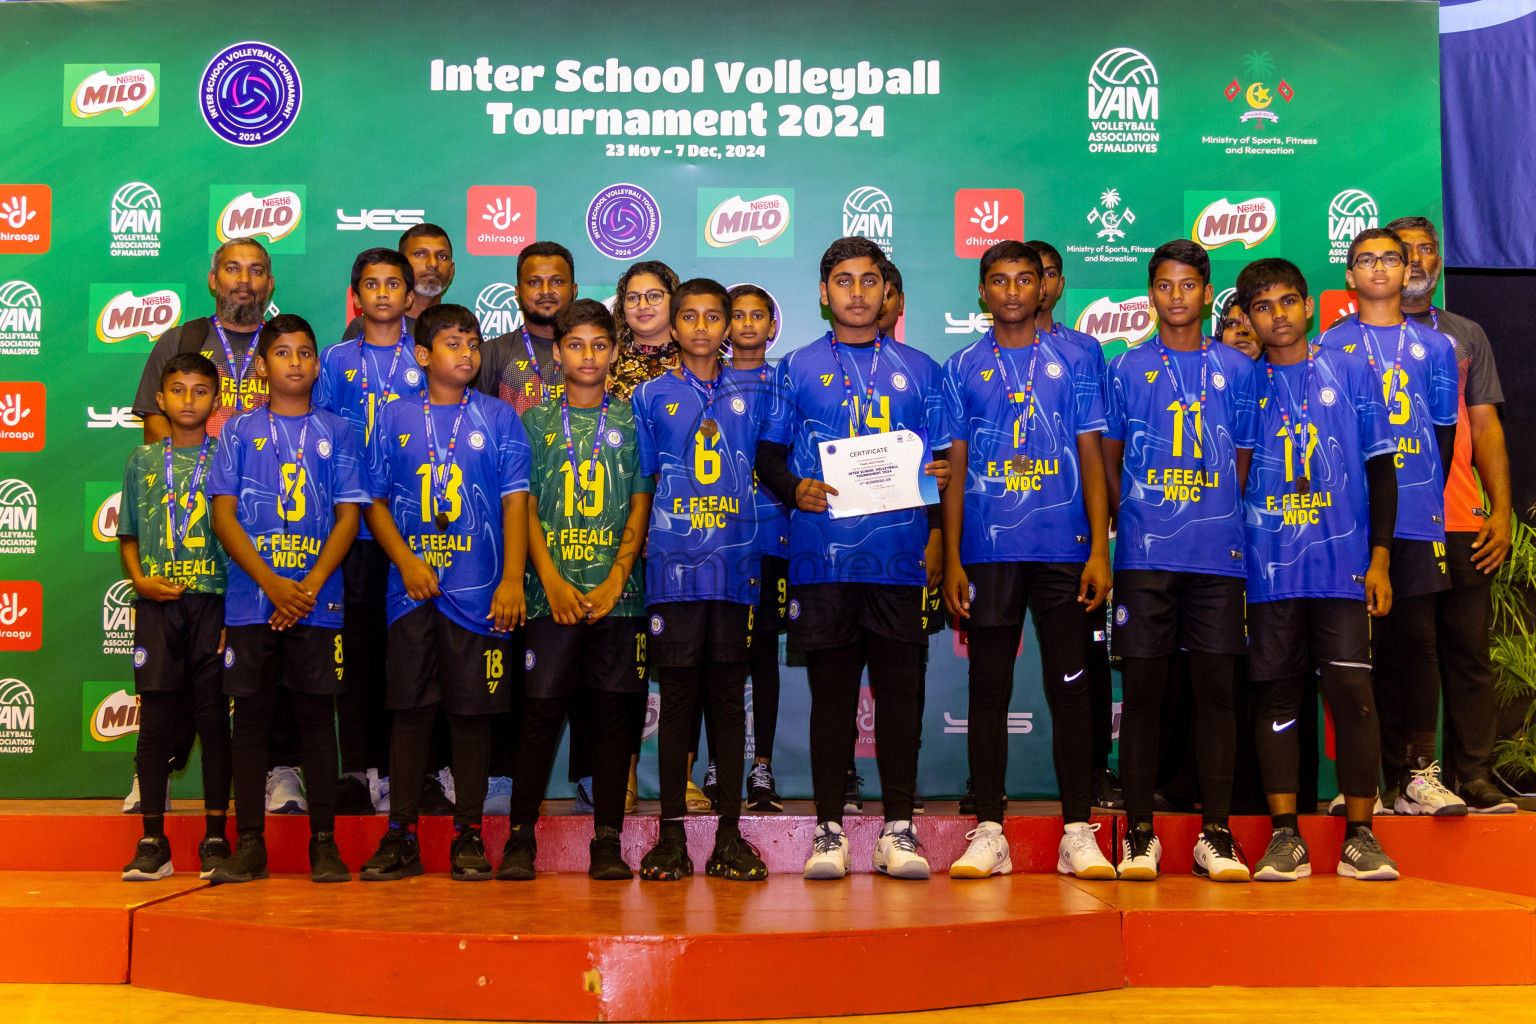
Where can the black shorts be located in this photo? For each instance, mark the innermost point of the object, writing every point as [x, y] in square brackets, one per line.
[604, 655]
[1158, 612]
[772, 600]
[365, 573]
[1000, 591]
[175, 642]
[431, 659]
[1418, 568]
[827, 615]
[933, 610]
[1287, 638]
[684, 634]
[306, 659]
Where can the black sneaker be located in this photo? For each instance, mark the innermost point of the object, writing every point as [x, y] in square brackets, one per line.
[1107, 791]
[352, 796]
[466, 856]
[711, 787]
[1483, 797]
[246, 864]
[433, 799]
[325, 863]
[518, 855]
[607, 858]
[853, 800]
[151, 861]
[736, 859]
[398, 855]
[917, 803]
[210, 854]
[1363, 858]
[761, 796]
[668, 860]
[968, 802]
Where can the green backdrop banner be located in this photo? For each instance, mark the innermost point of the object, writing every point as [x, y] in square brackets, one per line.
[733, 142]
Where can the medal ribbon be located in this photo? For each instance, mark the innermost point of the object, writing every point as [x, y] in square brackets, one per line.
[1178, 389]
[440, 473]
[570, 439]
[284, 494]
[1021, 427]
[194, 486]
[1397, 365]
[1304, 420]
[707, 389]
[229, 356]
[855, 428]
[389, 381]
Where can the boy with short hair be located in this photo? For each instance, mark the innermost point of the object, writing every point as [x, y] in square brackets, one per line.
[448, 473]
[1320, 506]
[286, 486]
[356, 381]
[1029, 529]
[1181, 412]
[586, 528]
[698, 428]
[177, 569]
[1417, 374]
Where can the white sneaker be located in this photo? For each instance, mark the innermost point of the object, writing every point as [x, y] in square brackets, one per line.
[1336, 807]
[445, 779]
[498, 796]
[829, 852]
[131, 804]
[1425, 795]
[987, 855]
[896, 852]
[285, 792]
[1141, 857]
[1078, 853]
[1217, 856]
[378, 791]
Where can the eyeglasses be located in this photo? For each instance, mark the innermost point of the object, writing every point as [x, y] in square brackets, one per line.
[1366, 261]
[652, 298]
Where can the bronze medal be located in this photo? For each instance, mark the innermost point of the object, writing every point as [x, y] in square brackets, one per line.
[1303, 486]
[441, 520]
[1020, 465]
[709, 428]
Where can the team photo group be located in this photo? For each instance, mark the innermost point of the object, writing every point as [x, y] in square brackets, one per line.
[417, 547]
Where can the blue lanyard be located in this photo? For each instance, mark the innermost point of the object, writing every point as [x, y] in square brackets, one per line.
[570, 439]
[707, 389]
[1397, 364]
[286, 493]
[855, 427]
[229, 357]
[1021, 426]
[1173, 380]
[440, 473]
[180, 527]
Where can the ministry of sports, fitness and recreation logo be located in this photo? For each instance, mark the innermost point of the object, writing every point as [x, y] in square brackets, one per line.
[1217, 222]
[623, 221]
[1122, 103]
[135, 220]
[111, 95]
[250, 94]
[1117, 320]
[867, 212]
[18, 518]
[132, 317]
[731, 217]
[18, 717]
[21, 319]
[21, 615]
[1110, 221]
[497, 310]
[272, 212]
[1351, 212]
[117, 618]
[1258, 95]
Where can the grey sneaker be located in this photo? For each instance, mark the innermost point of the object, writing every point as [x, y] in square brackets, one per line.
[1362, 858]
[1285, 858]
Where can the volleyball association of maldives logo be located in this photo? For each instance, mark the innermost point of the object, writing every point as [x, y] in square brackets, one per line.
[623, 221]
[497, 310]
[251, 94]
[1123, 103]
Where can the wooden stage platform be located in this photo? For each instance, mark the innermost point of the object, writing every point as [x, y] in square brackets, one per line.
[566, 948]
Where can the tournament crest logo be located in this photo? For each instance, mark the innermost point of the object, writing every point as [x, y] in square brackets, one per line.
[1349, 213]
[623, 221]
[250, 94]
[497, 310]
[1257, 94]
[21, 319]
[127, 92]
[127, 314]
[1123, 103]
[135, 220]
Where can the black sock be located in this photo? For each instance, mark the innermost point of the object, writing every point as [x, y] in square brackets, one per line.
[1144, 824]
[213, 826]
[1285, 821]
[154, 826]
[1351, 827]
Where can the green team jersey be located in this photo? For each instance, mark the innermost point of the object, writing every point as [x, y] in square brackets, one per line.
[584, 520]
[197, 562]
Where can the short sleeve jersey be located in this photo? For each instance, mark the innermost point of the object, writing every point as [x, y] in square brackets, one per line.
[489, 461]
[1087, 342]
[884, 547]
[1478, 382]
[1423, 397]
[350, 364]
[238, 391]
[1307, 505]
[287, 503]
[507, 372]
[1180, 503]
[703, 543]
[772, 514]
[583, 513]
[196, 562]
[1033, 512]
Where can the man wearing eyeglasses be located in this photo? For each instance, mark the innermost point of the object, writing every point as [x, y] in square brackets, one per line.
[1477, 531]
[1416, 368]
[519, 367]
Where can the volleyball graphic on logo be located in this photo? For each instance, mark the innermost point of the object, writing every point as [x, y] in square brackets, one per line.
[1122, 66]
[623, 221]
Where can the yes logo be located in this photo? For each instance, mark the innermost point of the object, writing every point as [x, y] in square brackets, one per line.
[131, 318]
[111, 95]
[1217, 223]
[23, 414]
[271, 212]
[21, 615]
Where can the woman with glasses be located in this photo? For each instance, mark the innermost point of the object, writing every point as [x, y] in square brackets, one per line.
[643, 305]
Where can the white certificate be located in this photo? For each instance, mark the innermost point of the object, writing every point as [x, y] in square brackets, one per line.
[877, 473]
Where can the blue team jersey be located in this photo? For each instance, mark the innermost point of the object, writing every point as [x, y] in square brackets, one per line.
[1088, 343]
[1317, 543]
[1037, 514]
[287, 505]
[703, 543]
[1180, 503]
[490, 461]
[340, 387]
[1426, 395]
[884, 547]
[772, 514]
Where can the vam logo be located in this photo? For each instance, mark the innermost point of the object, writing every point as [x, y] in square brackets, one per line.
[127, 93]
[1112, 223]
[867, 212]
[1351, 212]
[1122, 102]
[118, 617]
[135, 220]
[497, 310]
[21, 319]
[1222, 298]
[1216, 222]
[18, 518]
[18, 717]
[127, 314]
[731, 219]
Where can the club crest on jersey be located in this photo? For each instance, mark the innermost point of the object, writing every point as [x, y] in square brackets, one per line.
[794, 610]
[324, 448]
[738, 405]
[1417, 350]
[1219, 381]
[1122, 616]
[529, 659]
[615, 438]
[229, 657]
[140, 656]
[1053, 369]
[413, 377]
[476, 440]
[657, 625]
[1328, 395]
[899, 381]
